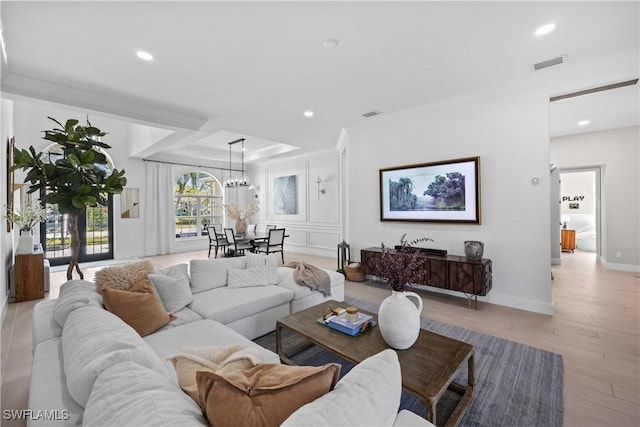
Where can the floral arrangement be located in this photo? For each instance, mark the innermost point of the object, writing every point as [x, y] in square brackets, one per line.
[400, 268]
[33, 214]
[242, 210]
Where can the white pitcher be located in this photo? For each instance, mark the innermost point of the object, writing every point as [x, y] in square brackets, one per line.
[399, 319]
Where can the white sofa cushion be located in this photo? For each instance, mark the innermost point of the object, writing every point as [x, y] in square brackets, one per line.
[287, 281]
[368, 395]
[184, 316]
[226, 305]
[75, 294]
[200, 333]
[128, 394]
[209, 274]
[407, 418]
[44, 326]
[93, 340]
[48, 389]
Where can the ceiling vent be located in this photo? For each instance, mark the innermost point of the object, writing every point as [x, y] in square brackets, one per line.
[371, 114]
[550, 62]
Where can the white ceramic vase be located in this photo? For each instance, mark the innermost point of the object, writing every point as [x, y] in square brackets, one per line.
[399, 319]
[25, 242]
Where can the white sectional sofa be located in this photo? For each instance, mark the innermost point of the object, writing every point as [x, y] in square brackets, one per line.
[91, 368]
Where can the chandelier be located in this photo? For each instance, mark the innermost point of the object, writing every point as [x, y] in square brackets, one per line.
[243, 181]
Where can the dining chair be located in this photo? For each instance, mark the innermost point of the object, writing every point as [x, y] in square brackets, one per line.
[251, 228]
[269, 227]
[238, 248]
[218, 227]
[215, 240]
[273, 244]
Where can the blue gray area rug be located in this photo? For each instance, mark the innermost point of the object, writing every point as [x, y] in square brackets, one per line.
[515, 384]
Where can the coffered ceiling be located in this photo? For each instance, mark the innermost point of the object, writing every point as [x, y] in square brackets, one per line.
[224, 70]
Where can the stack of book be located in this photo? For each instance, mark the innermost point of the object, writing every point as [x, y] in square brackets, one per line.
[340, 323]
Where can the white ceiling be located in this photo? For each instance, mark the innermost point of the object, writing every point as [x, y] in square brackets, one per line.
[224, 70]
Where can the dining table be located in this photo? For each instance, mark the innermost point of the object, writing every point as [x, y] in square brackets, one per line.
[252, 238]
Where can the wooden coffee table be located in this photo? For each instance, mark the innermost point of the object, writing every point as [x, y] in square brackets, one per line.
[427, 367]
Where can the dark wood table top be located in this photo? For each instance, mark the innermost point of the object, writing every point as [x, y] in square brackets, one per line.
[427, 367]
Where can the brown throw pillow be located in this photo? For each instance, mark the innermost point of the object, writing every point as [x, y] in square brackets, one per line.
[122, 277]
[140, 307]
[264, 395]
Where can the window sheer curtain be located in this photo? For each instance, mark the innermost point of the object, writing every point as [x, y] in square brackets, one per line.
[160, 219]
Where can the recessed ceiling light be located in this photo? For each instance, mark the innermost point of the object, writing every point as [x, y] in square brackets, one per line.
[583, 122]
[545, 29]
[308, 113]
[145, 56]
[330, 43]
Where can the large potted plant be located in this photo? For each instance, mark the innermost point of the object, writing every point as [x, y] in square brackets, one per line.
[398, 317]
[75, 179]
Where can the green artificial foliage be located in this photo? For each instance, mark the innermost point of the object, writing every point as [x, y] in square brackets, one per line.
[77, 178]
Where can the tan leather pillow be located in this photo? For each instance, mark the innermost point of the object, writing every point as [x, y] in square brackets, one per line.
[140, 307]
[124, 276]
[264, 395]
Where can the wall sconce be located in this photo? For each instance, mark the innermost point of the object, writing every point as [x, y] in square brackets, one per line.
[320, 190]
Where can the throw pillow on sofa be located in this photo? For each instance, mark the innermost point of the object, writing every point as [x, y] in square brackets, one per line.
[214, 358]
[122, 277]
[173, 289]
[372, 388]
[271, 261]
[140, 307]
[249, 277]
[209, 274]
[264, 395]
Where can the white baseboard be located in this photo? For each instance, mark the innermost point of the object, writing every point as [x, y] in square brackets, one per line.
[502, 299]
[621, 267]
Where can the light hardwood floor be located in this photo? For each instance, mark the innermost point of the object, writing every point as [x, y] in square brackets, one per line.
[595, 328]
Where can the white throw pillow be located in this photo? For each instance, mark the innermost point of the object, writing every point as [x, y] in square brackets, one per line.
[173, 290]
[212, 273]
[93, 340]
[75, 294]
[372, 389]
[178, 268]
[271, 261]
[244, 278]
[255, 260]
[128, 394]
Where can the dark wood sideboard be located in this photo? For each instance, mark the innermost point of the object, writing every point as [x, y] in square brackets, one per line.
[452, 272]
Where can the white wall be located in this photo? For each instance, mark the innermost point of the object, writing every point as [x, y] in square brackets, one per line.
[515, 213]
[315, 228]
[618, 153]
[6, 241]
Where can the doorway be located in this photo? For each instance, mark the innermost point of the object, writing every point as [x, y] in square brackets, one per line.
[580, 210]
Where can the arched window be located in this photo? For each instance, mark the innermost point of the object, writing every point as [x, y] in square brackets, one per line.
[198, 203]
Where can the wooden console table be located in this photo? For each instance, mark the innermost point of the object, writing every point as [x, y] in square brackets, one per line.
[29, 276]
[452, 272]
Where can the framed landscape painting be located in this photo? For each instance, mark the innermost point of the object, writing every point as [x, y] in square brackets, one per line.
[445, 191]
